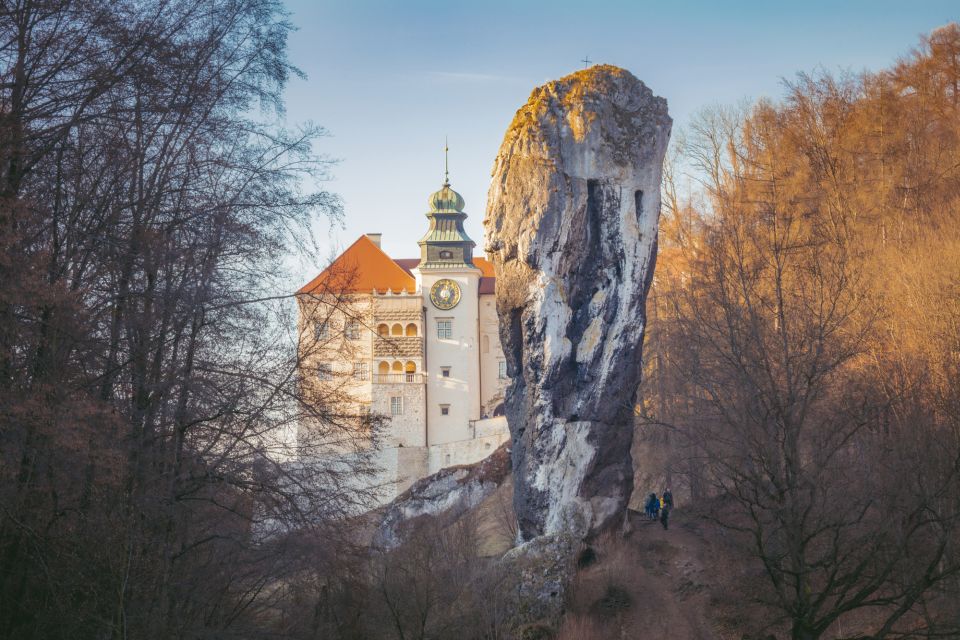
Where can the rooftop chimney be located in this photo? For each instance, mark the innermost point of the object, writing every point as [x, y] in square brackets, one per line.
[375, 238]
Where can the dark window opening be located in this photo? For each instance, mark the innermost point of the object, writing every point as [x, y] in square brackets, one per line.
[594, 211]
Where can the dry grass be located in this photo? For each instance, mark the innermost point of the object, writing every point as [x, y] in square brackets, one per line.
[497, 521]
[582, 627]
[652, 583]
[603, 594]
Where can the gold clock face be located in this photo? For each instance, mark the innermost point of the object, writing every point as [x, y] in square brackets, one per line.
[445, 294]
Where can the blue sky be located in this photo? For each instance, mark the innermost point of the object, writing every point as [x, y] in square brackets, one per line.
[390, 79]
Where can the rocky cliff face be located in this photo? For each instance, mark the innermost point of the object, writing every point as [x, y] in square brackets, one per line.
[571, 224]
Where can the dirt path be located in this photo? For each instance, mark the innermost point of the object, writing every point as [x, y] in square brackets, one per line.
[654, 583]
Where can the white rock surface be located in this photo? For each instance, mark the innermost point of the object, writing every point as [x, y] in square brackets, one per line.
[571, 225]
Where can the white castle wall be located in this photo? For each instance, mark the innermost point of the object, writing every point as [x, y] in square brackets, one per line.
[406, 430]
[402, 466]
[487, 436]
[460, 353]
[491, 427]
[492, 387]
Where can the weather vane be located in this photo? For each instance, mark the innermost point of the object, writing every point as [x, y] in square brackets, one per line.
[446, 161]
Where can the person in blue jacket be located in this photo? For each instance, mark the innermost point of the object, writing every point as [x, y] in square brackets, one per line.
[652, 507]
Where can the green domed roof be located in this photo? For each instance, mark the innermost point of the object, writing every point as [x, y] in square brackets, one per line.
[446, 245]
[446, 201]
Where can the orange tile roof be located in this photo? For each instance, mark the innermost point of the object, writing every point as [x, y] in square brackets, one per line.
[362, 268]
[486, 266]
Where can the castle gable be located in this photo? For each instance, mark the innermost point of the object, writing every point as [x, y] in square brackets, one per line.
[362, 268]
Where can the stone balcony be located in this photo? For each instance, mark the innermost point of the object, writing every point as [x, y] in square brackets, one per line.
[398, 378]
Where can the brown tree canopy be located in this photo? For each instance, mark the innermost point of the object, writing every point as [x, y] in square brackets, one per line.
[804, 342]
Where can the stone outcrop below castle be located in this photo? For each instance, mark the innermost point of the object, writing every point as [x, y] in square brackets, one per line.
[444, 496]
[571, 224]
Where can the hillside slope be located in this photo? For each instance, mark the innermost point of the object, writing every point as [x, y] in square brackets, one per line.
[657, 583]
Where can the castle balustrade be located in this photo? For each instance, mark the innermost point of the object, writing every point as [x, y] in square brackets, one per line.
[396, 378]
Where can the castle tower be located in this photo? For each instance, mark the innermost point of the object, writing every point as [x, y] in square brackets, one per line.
[450, 282]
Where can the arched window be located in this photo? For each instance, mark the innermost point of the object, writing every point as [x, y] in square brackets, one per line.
[411, 329]
[383, 368]
[446, 255]
[498, 411]
[397, 367]
[486, 343]
[383, 330]
[410, 370]
[396, 330]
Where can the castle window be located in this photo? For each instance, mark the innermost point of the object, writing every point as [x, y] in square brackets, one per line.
[321, 331]
[383, 368]
[410, 371]
[396, 405]
[445, 372]
[411, 330]
[383, 330]
[361, 370]
[324, 372]
[502, 369]
[364, 415]
[486, 343]
[444, 409]
[446, 255]
[353, 330]
[444, 329]
[396, 330]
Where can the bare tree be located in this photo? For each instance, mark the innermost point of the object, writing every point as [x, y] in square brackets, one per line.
[148, 370]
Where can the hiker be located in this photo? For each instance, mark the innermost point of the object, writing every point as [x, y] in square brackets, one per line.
[666, 506]
[652, 506]
[668, 497]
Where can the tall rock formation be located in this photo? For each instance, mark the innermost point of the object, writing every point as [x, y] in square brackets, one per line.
[571, 224]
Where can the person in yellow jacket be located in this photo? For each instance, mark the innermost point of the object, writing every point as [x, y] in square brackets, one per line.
[666, 505]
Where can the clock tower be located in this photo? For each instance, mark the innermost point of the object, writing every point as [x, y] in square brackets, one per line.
[449, 282]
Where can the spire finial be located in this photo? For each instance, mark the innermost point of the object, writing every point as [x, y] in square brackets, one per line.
[446, 162]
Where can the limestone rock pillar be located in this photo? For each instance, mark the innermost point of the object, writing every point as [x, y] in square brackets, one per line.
[571, 224]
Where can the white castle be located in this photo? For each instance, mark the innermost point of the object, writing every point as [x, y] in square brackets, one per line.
[415, 340]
